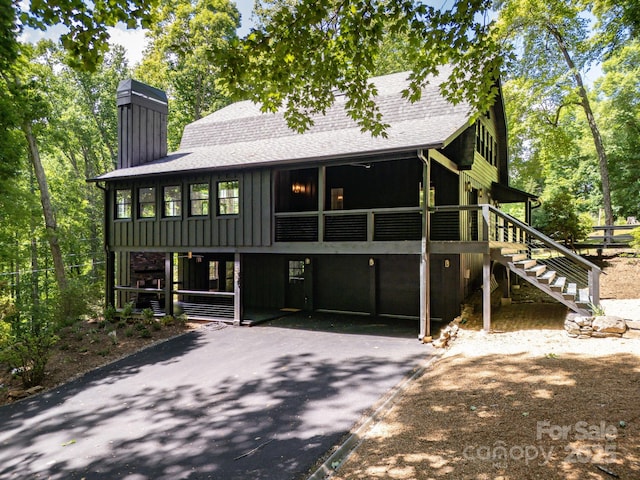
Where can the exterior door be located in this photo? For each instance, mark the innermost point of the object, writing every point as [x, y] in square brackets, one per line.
[295, 289]
[445, 287]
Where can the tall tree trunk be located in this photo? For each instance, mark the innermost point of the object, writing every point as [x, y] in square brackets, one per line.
[47, 209]
[35, 265]
[595, 131]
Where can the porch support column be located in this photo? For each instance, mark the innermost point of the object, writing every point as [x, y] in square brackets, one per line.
[322, 186]
[168, 283]
[110, 278]
[237, 300]
[486, 292]
[425, 288]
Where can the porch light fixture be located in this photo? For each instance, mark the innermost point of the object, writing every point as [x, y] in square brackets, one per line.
[468, 187]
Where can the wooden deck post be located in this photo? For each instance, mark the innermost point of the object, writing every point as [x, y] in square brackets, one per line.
[425, 284]
[486, 292]
[237, 301]
[486, 272]
[168, 283]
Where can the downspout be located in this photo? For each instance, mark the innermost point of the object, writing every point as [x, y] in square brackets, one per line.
[425, 272]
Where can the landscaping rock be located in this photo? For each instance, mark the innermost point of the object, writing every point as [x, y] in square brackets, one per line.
[572, 328]
[633, 324]
[583, 321]
[605, 335]
[609, 324]
[631, 334]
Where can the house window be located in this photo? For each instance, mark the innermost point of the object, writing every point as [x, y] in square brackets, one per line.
[337, 199]
[147, 202]
[172, 201]
[229, 197]
[296, 271]
[123, 203]
[199, 199]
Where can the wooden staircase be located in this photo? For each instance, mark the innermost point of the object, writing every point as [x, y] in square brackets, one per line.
[523, 250]
[541, 274]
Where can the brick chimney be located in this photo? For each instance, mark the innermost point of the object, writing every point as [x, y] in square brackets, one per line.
[142, 123]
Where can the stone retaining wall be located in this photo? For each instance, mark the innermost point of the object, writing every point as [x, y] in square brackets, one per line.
[578, 326]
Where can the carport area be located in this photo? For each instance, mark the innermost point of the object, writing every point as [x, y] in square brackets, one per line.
[221, 402]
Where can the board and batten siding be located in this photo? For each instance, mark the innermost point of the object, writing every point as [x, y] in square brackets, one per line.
[250, 228]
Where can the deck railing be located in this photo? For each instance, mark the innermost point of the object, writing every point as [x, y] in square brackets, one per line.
[361, 225]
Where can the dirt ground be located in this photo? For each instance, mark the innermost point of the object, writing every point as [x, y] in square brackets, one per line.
[526, 403]
[85, 346]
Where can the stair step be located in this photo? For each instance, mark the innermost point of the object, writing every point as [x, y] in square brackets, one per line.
[515, 257]
[558, 284]
[547, 277]
[525, 264]
[583, 296]
[509, 251]
[572, 291]
[536, 271]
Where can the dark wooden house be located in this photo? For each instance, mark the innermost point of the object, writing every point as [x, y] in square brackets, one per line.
[250, 216]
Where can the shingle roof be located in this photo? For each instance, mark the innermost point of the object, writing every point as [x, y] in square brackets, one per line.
[240, 136]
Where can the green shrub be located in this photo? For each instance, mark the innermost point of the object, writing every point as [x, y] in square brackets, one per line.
[635, 243]
[558, 218]
[27, 352]
[73, 302]
[110, 313]
[127, 311]
[144, 333]
[147, 315]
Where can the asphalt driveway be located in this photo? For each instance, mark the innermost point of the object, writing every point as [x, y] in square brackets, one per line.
[263, 402]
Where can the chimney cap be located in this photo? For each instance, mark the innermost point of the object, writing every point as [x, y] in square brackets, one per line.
[133, 91]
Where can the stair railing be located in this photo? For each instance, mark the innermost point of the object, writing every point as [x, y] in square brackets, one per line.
[501, 229]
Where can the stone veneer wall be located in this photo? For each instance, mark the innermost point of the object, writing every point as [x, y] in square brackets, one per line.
[578, 326]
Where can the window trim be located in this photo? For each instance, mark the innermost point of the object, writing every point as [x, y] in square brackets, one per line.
[202, 201]
[219, 213]
[177, 201]
[141, 203]
[117, 204]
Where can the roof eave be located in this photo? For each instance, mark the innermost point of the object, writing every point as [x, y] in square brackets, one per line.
[322, 159]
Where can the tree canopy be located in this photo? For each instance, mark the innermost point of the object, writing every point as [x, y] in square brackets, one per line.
[177, 58]
[86, 37]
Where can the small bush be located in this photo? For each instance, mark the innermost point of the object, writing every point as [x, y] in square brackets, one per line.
[635, 243]
[27, 354]
[144, 333]
[127, 312]
[147, 316]
[110, 313]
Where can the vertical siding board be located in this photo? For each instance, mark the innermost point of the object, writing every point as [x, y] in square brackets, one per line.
[135, 136]
[257, 206]
[163, 233]
[247, 206]
[149, 241]
[231, 231]
[266, 207]
[156, 137]
[178, 233]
